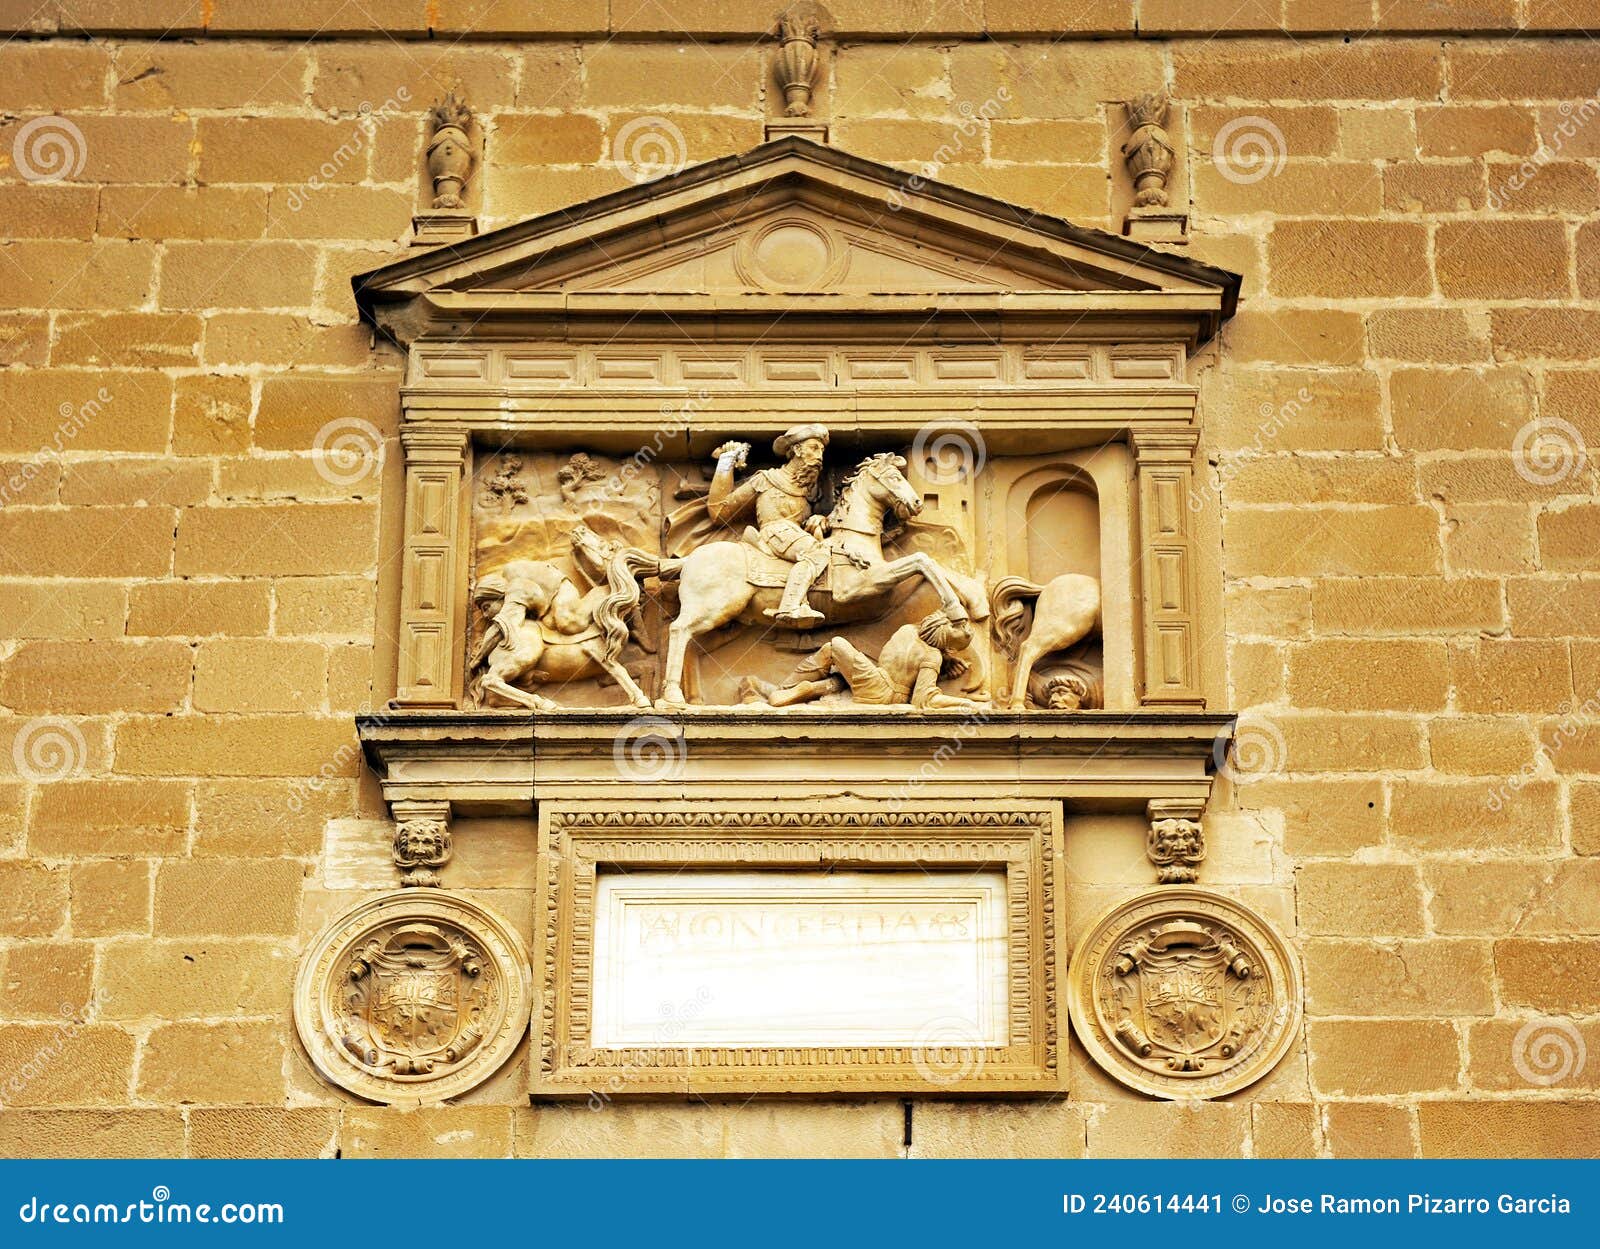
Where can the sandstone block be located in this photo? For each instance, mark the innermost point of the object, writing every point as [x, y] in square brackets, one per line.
[61, 610]
[1502, 259]
[1369, 1130]
[987, 1130]
[228, 897]
[441, 1132]
[1554, 975]
[1406, 605]
[33, 899]
[1369, 674]
[295, 407]
[121, 1133]
[1359, 899]
[215, 1064]
[1367, 1057]
[111, 817]
[1477, 815]
[198, 608]
[90, 677]
[278, 540]
[256, 745]
[135, 338]
[1460, 409]
[1169, 1130]
[1321, 817]
[1511, 674]
[259, 674]
[110, 898]
[1283, 1130]
[1427, 978]
[262, 1132]
[167, 980]
[211, 415]
[67, 1063]
[47, 980]
[208, 212]
[1507, 1129]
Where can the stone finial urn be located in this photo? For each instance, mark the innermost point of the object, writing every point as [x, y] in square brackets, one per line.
[1148, 151]
[797, 59]
[450, 151]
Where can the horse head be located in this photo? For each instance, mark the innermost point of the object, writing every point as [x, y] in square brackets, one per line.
[879, 481]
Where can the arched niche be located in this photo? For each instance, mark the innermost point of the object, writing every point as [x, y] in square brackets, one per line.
[1058, 516]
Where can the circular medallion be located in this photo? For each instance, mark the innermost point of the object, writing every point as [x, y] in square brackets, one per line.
[413, 997]
[1184, 993]
[790, 254]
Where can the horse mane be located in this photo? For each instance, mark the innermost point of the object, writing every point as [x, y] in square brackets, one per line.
[877, 460]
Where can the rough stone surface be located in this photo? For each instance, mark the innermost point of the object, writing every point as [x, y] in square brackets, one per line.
[1407, 600]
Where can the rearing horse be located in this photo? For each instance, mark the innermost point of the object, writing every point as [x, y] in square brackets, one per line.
[723, 582]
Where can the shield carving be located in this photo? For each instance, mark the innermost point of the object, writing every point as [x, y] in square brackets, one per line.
[1184, 997]
[416, 1007]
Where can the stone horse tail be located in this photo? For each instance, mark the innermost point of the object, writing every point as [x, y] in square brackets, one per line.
[1066, 610]
[1008, 600]
[624, 569]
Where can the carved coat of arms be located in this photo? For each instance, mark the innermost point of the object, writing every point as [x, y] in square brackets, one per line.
[413, 997]
[1184, 993]
[416, 1000]
[1183, 990]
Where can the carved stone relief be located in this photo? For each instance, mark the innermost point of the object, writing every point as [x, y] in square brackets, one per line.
[413, 997]
[1183, 993]
[422, 842]
[808, 578]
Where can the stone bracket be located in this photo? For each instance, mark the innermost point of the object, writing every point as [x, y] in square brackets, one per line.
[422, 840]
[1177, 843]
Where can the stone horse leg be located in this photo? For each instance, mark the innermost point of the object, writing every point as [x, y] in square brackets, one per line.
[712, 591]
[1065, 611]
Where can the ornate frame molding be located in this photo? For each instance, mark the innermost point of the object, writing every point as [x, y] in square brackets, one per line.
[577, 840]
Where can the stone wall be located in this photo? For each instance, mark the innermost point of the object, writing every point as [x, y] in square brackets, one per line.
[191, 612]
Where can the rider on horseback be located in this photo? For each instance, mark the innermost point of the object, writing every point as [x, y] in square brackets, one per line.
[783, 498]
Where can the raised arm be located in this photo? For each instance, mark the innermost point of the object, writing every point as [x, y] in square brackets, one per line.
[726, 501]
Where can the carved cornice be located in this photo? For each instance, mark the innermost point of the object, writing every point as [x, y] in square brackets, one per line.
[504, 762]
[516, 276]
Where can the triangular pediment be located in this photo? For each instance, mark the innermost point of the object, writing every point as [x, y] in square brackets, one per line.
[787, 226]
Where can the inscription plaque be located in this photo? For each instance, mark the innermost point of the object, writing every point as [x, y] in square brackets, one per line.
[800, 958]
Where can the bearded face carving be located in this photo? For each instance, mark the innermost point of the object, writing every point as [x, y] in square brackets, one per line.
[421, 847]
